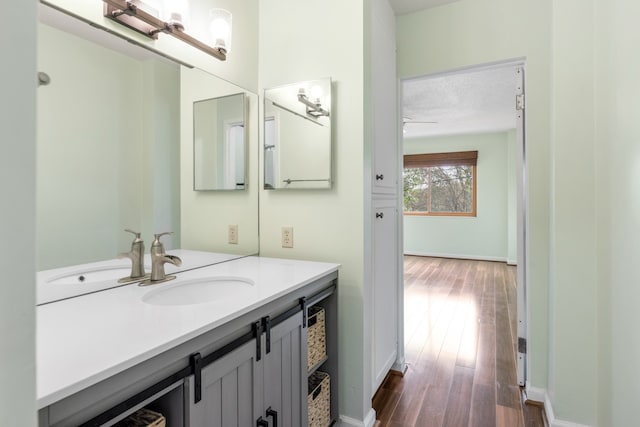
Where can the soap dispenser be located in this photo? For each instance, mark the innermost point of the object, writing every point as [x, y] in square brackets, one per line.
[136, 255]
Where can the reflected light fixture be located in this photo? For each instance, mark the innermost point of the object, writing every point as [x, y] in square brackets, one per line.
[147, 20]
[177, 13]
[314, 108]
[220, 27]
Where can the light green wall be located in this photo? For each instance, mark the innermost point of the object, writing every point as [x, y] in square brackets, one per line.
[578, 271]
[513, 148]
[617, 159]
[160, 172]
[573, 308]
[107, 128]
[485, 236]
[327, 224]
[467, 33]
[206, 215]
[17, 216]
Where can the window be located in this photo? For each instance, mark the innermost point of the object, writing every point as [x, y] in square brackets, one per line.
[440, 184]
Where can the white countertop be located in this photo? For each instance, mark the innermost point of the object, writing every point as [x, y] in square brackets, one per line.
[84, 340]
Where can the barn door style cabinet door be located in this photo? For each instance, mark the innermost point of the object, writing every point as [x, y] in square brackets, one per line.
[261, 383]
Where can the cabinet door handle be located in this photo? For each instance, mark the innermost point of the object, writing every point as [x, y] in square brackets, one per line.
[379, 177]
[379, 215]
[262, 422]
[274, 414]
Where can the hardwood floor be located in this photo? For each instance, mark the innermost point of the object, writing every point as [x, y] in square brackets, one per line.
[460, 343]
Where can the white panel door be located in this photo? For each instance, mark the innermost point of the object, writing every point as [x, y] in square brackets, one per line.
[385, 289]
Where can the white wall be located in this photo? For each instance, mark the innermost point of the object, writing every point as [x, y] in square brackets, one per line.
[205, 215]
[464, 34]
[17, 216]
[107, 128]
[327, 224]
[485, 236]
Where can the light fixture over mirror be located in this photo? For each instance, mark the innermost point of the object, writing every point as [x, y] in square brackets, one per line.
[151, 17]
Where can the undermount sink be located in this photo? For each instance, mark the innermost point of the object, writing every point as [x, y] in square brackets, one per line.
[199, 291]
[91, 276]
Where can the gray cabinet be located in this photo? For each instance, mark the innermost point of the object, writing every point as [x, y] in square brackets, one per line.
[285, 373]
[229, 395]
[246, 373]
[252, 383]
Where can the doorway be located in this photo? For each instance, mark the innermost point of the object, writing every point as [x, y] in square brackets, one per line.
[474, 109]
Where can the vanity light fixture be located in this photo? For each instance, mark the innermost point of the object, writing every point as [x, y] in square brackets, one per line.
[314, 108]
[129, 14]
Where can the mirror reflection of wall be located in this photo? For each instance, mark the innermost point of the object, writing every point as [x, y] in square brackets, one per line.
[297, 136]
[109, 150]
[219, 143]
[206, 215]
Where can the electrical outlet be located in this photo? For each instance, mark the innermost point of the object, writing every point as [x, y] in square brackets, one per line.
[233, 234]
[287, 237]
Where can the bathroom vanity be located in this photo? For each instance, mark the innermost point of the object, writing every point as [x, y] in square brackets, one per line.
[220, 345]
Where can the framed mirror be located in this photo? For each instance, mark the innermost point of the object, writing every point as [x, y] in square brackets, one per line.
[297, 136]
[219, 143]
[115, 150]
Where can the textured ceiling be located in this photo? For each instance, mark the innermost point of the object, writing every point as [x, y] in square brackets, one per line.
[465, 102]
[402, 7]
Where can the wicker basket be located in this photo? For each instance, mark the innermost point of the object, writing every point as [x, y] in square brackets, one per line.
[316, 341]
[143, 418]
[319, 399]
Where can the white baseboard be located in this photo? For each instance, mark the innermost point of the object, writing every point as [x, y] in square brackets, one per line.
[512, 262]
[457, 256]
[541, 395]
[368, 421]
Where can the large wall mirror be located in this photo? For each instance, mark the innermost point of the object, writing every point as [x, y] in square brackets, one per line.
[115, 150]
[219, 143]
[297, 136]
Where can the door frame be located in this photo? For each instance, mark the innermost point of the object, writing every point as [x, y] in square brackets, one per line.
[522, 214]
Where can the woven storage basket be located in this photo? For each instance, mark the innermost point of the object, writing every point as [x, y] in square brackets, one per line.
[319, 399]
[143, 418]
[316, 341]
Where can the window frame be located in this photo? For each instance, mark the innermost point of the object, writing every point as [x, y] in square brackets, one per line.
[430, 160]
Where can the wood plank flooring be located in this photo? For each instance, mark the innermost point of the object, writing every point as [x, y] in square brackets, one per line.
[460, 343]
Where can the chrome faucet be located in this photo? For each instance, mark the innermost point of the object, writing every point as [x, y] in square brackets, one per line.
[158, 259]
[136, 255]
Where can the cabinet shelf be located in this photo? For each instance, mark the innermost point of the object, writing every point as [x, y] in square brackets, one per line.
[317, 365]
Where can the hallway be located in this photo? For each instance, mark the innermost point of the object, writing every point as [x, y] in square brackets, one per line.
[460, 340]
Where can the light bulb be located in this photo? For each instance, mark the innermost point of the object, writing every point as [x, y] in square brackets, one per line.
[316, 93]
[177, 12]
[220, 28]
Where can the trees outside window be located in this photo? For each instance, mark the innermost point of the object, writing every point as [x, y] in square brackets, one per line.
[440, 184]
